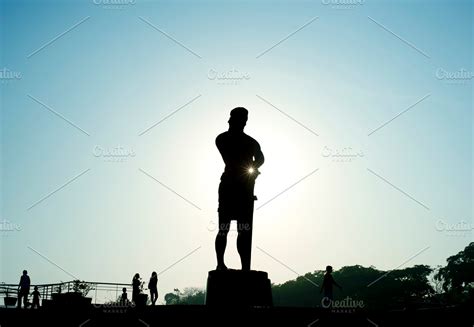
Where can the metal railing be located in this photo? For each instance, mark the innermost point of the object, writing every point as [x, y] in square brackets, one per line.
[102, 292]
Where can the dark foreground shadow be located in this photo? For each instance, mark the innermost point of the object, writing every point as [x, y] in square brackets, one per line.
[182, 315]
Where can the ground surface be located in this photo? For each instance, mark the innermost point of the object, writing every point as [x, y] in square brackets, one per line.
[205, 316]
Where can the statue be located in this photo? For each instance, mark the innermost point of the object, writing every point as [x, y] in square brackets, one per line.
[242, 157]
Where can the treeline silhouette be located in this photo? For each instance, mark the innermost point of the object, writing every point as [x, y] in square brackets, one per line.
[420, 286]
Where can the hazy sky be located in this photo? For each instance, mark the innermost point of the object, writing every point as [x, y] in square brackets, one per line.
[363, 112]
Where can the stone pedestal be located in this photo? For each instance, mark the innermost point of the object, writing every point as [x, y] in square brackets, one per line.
[237, 288]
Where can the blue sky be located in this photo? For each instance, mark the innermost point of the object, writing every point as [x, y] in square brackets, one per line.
[91, 78]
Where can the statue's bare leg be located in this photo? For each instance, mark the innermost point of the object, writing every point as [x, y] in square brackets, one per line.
[244, 243]
[221, 243]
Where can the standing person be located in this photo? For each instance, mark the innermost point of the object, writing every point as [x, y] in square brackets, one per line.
[136, 283]
[124, 297]
[326, 287]
[242, 157]
[152, 286]
[36, 298]
[24, 289]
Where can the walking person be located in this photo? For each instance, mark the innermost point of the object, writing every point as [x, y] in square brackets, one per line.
[327, 287]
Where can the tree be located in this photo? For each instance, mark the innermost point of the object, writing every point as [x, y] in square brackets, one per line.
[81, 287]
[457, 277]
[171, 299]
[376, 288]
[190, 296]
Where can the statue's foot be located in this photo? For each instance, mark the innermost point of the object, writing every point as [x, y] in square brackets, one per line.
[222, 267]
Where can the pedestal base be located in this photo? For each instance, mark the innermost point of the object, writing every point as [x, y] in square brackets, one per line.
[238, 288]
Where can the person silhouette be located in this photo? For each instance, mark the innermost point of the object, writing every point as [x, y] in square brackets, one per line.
[24, 289]
[136, 283]
[153, 288]
[326, 287]
[242, 157]
[124, 297]
[36, 298]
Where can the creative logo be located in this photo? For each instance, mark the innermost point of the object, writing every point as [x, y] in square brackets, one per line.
[228, 77]
[9, 75]
[460, 228]
[347, 305]
[459, 76]
[343, 4]
[114, 4]
[346, 154]
[113, 154]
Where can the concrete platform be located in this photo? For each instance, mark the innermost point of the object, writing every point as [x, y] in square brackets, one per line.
[238, 288]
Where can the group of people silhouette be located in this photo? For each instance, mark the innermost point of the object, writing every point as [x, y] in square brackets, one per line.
[24, 292]
[137, 287]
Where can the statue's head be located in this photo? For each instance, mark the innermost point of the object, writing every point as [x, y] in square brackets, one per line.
[238, 118]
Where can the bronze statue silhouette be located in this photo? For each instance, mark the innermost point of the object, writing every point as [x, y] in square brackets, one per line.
[242, 157]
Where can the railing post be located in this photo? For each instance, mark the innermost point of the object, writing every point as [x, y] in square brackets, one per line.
[95, 301]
